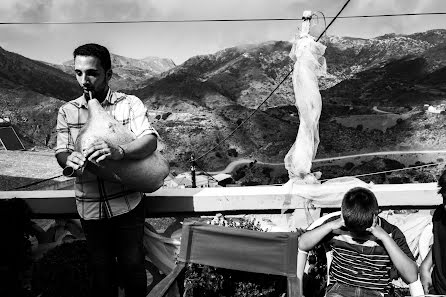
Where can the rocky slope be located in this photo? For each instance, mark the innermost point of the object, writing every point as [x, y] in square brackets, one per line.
[128, 73]
[197, 104]
[30, 95]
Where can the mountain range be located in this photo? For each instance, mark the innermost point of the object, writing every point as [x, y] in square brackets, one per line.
[128, 72]
[197, 104]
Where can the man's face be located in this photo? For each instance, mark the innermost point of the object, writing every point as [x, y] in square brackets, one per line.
[90, 75]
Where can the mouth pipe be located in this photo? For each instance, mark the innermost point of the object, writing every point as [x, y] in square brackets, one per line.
[69, 171]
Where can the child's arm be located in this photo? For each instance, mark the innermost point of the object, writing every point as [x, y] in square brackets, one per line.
[311, 238]
[425, 272]
[405, 266]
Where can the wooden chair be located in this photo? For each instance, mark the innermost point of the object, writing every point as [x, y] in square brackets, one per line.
[238, 249]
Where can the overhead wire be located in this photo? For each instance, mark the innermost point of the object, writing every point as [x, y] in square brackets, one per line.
[379, 172]
[213, 20]
[206, 173]
[271, 93]
[236, 20]
[391, 171]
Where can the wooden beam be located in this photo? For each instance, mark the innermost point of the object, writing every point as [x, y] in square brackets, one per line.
[267, 199]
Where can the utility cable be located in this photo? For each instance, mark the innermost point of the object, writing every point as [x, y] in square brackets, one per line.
[34, 183]
[392, 170]
[216, 20]
[375, 173]
[206, 173]
[271, 93]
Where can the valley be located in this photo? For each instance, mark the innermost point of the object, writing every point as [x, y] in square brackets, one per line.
[195, 105]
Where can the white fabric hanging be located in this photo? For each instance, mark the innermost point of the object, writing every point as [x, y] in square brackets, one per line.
[309, 65]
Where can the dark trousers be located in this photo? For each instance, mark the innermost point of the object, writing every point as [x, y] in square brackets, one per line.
[342, 290]
[116, 250]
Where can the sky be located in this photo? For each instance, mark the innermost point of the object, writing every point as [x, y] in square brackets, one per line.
[55, 43]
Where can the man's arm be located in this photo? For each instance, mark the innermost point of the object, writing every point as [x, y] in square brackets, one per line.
[137, 149]
[311, 238]
[140, 147]
[425, 272]
[144, 145]
[406, 267]
[65, 154]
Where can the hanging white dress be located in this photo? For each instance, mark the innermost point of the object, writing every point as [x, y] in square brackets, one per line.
[309, 65]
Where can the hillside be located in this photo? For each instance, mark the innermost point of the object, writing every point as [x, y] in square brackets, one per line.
[392, 70]
[31, 92]
[198, 103]
[408, 81]
[128, 73]
[30, 95]
[18, 71]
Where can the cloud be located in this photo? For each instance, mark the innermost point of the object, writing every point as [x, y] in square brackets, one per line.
[75, 10]
[121, 10]
[182, 40]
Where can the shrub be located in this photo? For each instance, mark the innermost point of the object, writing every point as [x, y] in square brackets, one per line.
[349, 165]
[232, 152]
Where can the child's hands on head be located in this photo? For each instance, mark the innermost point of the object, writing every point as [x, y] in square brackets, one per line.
[337, 224]
[377, 230]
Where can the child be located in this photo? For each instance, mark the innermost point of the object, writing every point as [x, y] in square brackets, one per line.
[433, 268]
[364, 248]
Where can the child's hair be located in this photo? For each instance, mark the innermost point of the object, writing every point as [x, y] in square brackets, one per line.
[359, 207]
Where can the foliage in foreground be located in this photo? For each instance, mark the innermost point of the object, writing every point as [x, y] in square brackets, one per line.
[207, 281]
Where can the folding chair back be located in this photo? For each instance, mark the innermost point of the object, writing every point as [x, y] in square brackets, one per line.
[238, 249]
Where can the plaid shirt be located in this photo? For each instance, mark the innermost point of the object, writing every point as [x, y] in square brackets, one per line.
[95, 197]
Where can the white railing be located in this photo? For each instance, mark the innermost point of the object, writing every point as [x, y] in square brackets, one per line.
[258, 199]
[195, 202]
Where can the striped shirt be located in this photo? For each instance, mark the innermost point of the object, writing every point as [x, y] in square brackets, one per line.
[363, 262]
[95, 197]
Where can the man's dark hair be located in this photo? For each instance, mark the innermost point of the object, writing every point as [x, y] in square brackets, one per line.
[95, 50]
[359, 207]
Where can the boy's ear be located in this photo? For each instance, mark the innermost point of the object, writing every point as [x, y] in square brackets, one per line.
[375, 220]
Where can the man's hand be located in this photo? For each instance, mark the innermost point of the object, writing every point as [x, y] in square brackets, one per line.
[75, 160]
[101, 150]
